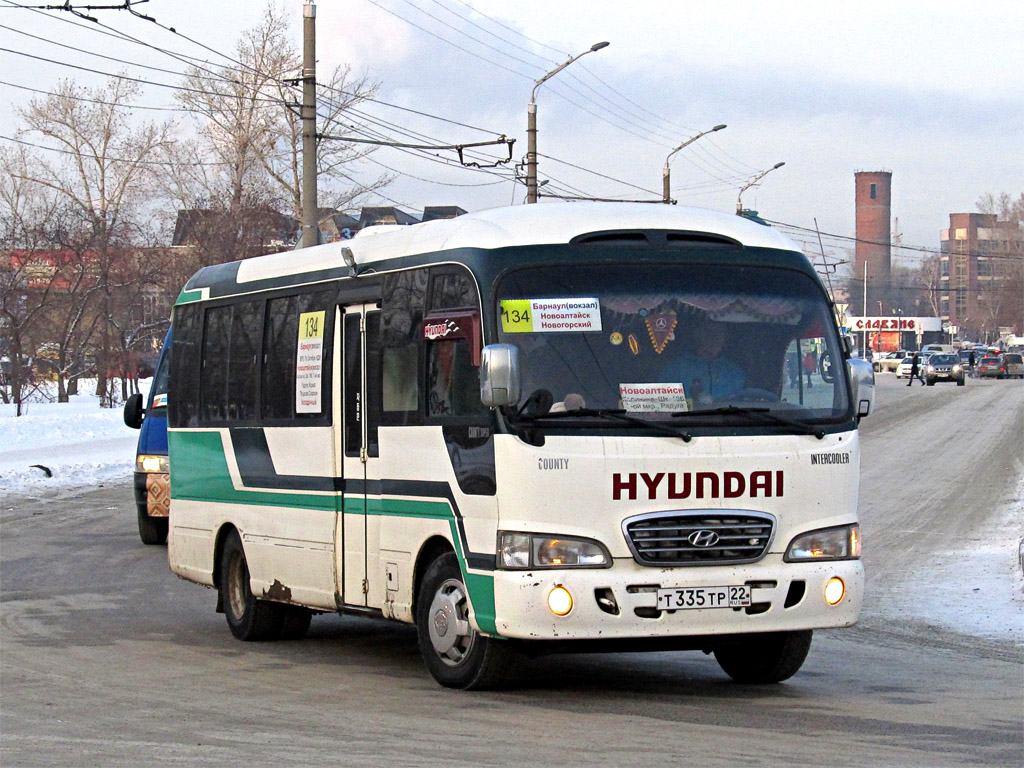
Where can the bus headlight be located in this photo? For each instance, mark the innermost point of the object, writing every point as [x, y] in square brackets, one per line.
[533, 550]
[841, 543]
[145, 463]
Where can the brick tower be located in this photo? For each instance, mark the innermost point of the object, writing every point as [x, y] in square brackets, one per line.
[874, 210]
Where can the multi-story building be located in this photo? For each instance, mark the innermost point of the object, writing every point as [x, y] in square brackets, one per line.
[981, 259]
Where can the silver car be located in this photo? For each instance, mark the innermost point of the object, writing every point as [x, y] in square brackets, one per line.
[944, 368]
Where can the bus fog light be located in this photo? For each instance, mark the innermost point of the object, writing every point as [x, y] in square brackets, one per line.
[834, 590]
[560, 601]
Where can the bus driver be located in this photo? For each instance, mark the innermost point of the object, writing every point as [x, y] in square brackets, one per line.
[704, 372]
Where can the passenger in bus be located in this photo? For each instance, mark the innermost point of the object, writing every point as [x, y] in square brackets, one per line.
[703, 368]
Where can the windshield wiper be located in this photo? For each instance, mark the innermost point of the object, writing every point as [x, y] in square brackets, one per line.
[766, 415]
[611, 414]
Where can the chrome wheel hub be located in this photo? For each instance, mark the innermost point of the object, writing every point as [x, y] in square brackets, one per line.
[450, 633]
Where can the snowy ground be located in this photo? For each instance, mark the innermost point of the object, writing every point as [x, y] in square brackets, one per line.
[976, 588]
[79, 442]
[84, 445]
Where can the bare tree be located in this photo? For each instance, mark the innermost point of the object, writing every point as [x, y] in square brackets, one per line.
[1004, 305]
[102, 172]
[249, 124]
[1003, 205]
[26, 274]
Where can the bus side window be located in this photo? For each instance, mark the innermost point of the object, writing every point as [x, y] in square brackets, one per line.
[361, 405]
[230, 348]
[453, 383]
[400, 340]
[353, 383]
[183, 404]
[216, 338]
[246, 329]
[374, 397]
[280, 341]
[278, 366]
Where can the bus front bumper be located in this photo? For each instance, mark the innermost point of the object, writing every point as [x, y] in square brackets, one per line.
[622, 602]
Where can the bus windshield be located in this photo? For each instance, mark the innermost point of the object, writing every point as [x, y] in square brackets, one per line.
[671, 341]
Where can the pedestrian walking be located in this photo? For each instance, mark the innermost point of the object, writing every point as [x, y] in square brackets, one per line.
[915, 370]
[810, 363]
[793, 366]
[970, 362]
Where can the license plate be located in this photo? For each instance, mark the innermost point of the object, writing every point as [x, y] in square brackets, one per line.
[691, 598]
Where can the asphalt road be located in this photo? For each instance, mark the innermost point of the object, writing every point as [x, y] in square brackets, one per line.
[106, 659]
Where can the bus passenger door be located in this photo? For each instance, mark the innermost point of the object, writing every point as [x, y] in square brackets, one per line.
[361, 407]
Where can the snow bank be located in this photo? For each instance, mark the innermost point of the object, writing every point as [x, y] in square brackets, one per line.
[80, 443]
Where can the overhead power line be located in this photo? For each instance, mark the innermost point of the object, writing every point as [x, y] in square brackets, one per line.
[164, 163]
[126, 77]
[93, 101]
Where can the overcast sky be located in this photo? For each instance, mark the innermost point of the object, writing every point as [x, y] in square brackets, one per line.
[932, 91]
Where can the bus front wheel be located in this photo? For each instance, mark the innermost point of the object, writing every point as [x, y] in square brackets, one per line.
[248, 618]
[456, 655]
[768, 657]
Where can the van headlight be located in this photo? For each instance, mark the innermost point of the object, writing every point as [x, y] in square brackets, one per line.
[145, 463]
[517, 551]
[840, 543]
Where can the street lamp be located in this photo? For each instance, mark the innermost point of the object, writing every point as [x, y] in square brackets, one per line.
[665, 171]
[531, 123]
[752, 182]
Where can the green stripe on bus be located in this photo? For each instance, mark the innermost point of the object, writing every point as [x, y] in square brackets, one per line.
[200, 473]
[187, 297]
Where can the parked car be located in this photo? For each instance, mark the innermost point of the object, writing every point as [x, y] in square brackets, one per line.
[944, 368]
[1014, 364]
[903, 369]
[888, 363]
[990, 366]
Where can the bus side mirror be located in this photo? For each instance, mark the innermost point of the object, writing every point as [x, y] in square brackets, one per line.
[133, 411]
[862, 385]
[499, 375]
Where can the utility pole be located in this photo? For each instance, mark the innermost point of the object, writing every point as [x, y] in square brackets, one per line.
[665, 184]
[753, 183]
[531, 124]
[864, 344]
[310, 225]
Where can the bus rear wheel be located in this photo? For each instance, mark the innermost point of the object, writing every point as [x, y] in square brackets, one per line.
[456, 655]
[248, 618]
[768, 657]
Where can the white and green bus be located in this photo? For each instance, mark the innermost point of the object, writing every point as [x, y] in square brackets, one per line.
[526, 430]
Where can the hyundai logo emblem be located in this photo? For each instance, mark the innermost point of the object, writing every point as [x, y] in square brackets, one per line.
[703, 538]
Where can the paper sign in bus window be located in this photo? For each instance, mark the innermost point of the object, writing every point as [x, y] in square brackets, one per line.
[550, 315]
[653, 398]
[309, 366]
